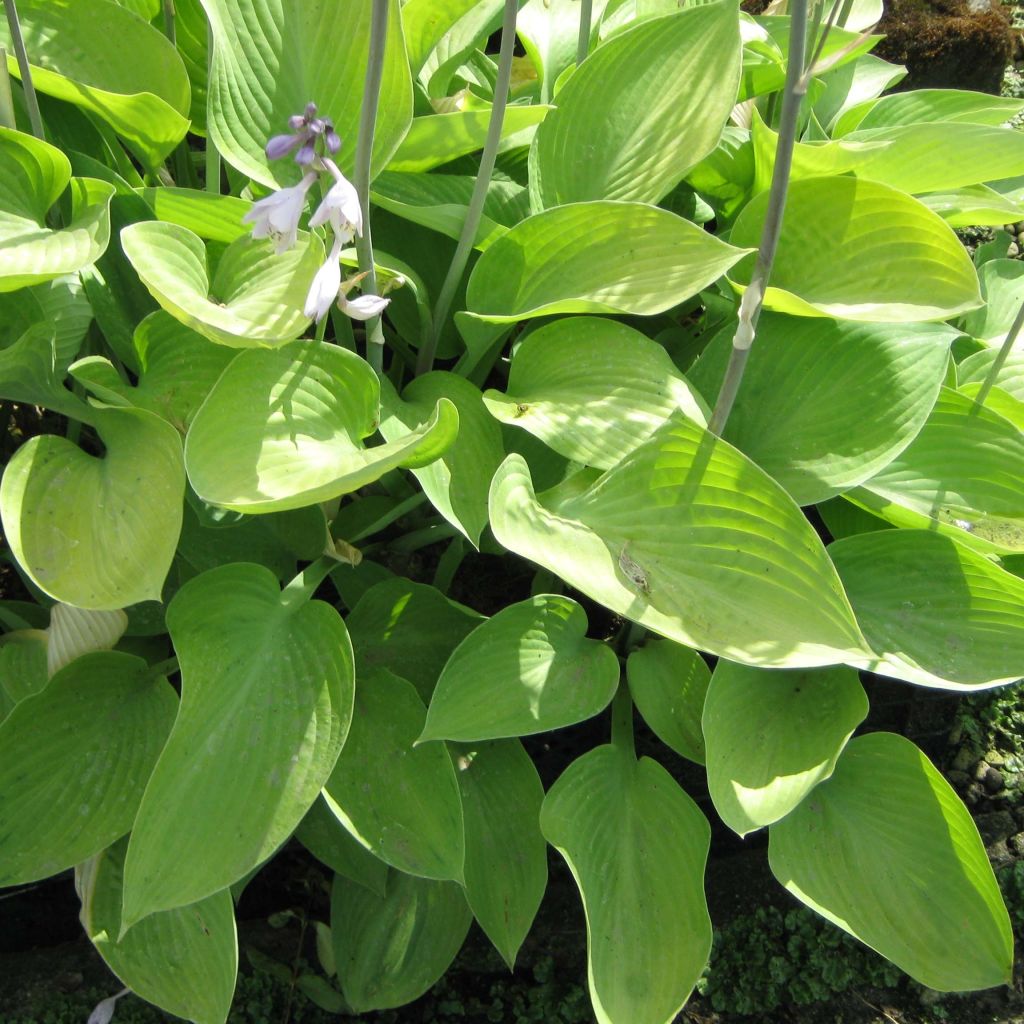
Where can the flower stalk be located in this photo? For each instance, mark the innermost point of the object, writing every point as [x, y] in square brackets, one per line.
[7, 118]
[583, 41]
[474, 211]
[1000, 360]
[797, 80]
[18, 42]
[364, 154]
[212, 155]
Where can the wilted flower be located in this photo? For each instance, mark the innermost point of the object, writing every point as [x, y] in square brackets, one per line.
[277, 216]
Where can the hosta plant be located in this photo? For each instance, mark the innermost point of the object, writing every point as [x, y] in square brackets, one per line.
[667, 317]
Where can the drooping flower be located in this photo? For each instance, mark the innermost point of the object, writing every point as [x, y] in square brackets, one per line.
[340, 206]
[363, 307]
[324, 289]
[277, 216]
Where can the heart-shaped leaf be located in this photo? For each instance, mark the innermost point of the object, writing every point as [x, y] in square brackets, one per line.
[926, 275]
[636, 845]
[689, 538]
[97, 532]
[530, 668]
[254, 299]
[284, 429]
[264, 71]
[592, 389]
[111, 64]
[506, 869]
[961, 475]
[184, 960]
[773, 736]
[933, 612]
[668, 684]
[33, 174]
[627, 125]
[390, 949]
[869, 850]
[824, 405]
[322, 833]
[401, 802]
[243, 645]
[570, 259]
[74, 760]
[457, 482]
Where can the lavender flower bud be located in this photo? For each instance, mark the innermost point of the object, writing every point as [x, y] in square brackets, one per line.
[281, 145]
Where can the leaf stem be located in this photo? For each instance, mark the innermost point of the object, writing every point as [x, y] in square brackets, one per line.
[753, 297]
[168, 6]
[302, 588]
[212, 154]
[1001, 356]
[7, 118]
[583, 41]
[18, 42]
[425, 362]
[622, 720]
[364, 154]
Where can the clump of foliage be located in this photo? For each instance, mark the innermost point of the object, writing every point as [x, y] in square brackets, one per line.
[663, 324]
[993, 721]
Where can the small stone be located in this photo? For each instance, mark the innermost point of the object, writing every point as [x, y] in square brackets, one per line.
[994, 757]
[1013, 251]
[963, 760]
[993, 780]
[999, 854]
[979, 770]
[958, 780]
[1016, 844]
[995, 826]
[975, 792]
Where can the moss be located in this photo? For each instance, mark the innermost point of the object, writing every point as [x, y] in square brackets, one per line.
[947, 44]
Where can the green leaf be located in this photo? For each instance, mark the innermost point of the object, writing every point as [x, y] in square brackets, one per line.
[73, 632]
[23, 665]
[436, 139]
[975, 368]
[75, 759]
[668, 684]
[60, 304]
[440, 201]
[627, 124]
[870, 850]
[690, 539]
[773, 736]
[322, 833]
[400, 801]
[961, 475]
[885, 257]
[177, 369]
[184, 960]
[506, 870]
[97, 532]
[824, 405]
[426, 22]
[636, 845]
[929, 157]
[592, 389]
[254, 299]
[457, 482]
[213, 217]
[443, 35]
[933, 612]
[272, 57]
[999, 401]
[111, 64]
[860, 81]
[1002, 285]
[549, 30]
[390, 949]
[30, 374]
[570, 259]
[283, 429]
[974, 205]
[530, 668]
[33, 175]
[410, 629]
[267, 684]
[928, 106]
